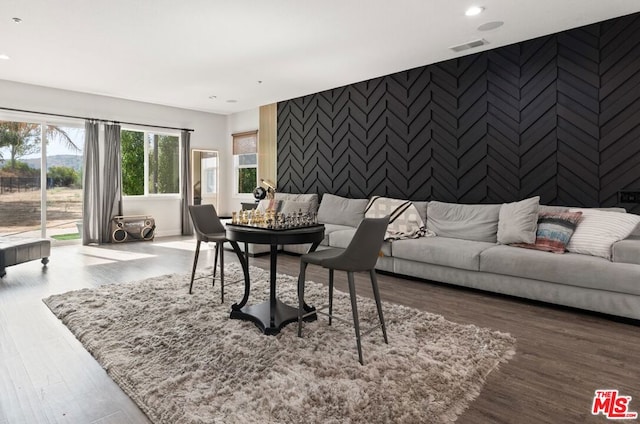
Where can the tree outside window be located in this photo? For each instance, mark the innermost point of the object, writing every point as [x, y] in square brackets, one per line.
[132, 145]
[150, 163]
[164, 163]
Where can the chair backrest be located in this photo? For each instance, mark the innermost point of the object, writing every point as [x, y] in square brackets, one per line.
[362, 252]
[205, 220]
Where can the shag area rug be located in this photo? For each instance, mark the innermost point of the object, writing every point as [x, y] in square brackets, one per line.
[182, 360]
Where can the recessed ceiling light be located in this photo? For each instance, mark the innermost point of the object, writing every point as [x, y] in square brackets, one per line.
[4, 57]
[232, 101]
[490, 25]
[259, 82]
[474, 10]
[16, 20]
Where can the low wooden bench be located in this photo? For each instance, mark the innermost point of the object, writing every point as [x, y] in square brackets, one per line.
[17, 250]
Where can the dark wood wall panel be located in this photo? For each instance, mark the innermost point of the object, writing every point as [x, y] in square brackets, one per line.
[619, 120]
[558, 116]
[503, 127]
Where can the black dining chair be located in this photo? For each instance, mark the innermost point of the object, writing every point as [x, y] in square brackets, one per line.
[360, 255]
[209, 229]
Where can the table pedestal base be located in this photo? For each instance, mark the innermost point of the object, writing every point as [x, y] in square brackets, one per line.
[260, 315]
[272, 315]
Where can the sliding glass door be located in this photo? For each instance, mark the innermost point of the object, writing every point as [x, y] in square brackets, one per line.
[20, 178]
[34, 202]
[64, 156]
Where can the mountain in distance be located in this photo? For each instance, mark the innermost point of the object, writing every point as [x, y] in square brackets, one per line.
[70, 161]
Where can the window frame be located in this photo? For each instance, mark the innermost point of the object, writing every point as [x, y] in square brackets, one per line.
[236, 139]
[146, 193]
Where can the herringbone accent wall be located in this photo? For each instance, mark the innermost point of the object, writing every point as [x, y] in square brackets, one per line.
[557, 116]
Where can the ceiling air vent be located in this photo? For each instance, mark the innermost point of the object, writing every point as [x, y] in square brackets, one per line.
[469, 45]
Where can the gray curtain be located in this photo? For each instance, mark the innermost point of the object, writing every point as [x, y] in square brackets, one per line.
[91, 184]
[112, 180]
[187, 229]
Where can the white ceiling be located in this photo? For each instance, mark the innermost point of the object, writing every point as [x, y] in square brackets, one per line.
[179, 53]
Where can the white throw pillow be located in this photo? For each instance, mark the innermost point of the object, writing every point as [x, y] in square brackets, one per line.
[518, 221]
[599, 230]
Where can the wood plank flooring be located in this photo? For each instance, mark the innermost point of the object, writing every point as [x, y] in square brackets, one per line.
[46, 376]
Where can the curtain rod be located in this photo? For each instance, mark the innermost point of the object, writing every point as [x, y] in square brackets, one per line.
[59, 115]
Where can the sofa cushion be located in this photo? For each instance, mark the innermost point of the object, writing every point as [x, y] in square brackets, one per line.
[611, 209]
[571, 268]
[468, 222]
[627, 251]
[331, 228]
[311, 199]
[341, 238]
[518, 221]
[341, 210]
[598, 230]
[444, 251]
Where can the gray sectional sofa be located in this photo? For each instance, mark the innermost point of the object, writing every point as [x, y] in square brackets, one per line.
[465, 252]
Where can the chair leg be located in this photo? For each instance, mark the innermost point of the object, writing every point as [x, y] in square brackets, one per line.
[215, 264]
[330, 294]
[376, 295]
[219, 245]
[195, 263]
[354, 309]
[301, 278]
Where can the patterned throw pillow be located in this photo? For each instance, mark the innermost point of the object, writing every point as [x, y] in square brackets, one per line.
[554, 231]
[404, 219]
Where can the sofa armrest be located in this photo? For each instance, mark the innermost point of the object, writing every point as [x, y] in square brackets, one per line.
[627, 250]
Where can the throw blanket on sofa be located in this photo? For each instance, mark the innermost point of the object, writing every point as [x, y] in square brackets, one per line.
[404, 220]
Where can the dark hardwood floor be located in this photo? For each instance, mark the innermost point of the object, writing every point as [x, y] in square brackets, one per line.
[562, 357]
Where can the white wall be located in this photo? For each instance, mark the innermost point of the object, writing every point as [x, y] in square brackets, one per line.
[211, 131]
[238, 122]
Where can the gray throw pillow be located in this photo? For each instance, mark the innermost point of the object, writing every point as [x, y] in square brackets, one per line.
[518, 221]
[291, 206]
[467, 222]
[341, 210]
[312, 199]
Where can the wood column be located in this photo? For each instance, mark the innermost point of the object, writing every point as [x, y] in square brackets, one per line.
[267, 143]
